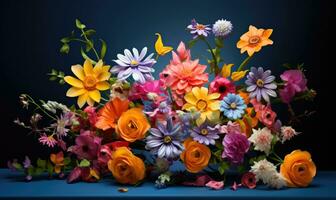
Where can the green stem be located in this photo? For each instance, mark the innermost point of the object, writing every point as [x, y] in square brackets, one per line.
[40, 108]
[216, 70]
[244, 63]
[88, 41]
[157, 57]
[79, 40]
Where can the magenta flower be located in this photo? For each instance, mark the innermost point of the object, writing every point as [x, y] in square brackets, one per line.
[235, 146]
[87, 146]
[92, 114]
[295, 82]
[222, 86]
[216, 185]
[47, 140]
[104, 154]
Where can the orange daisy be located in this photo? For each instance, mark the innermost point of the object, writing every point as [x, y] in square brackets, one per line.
[108, 115]
[253, 40]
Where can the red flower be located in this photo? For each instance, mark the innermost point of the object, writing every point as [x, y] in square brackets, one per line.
[249, 180]
[223, 86]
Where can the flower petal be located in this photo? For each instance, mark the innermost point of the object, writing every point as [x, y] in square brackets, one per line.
[95, 95]
[103, 86]
[190, 98]
[88, 68]
[74, 82]
[78, 71]
[82, 99]
[74, 92]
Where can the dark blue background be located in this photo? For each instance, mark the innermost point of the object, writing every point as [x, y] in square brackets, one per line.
[31, 30]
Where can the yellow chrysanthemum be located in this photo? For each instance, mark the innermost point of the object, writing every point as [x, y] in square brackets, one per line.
[199, 99]
[253, 40]
[90, 81]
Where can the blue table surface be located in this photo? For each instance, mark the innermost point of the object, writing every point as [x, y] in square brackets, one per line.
[12, 185]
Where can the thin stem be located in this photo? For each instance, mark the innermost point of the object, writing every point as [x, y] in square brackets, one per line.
[244, 63]
[213, 56]
[88, 41]
[157, 57]
[79, 40]
[40, 108]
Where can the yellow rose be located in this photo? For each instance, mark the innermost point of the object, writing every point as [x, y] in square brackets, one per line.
[132, 125]
[196, 156]
[126, 167]
[298, 169]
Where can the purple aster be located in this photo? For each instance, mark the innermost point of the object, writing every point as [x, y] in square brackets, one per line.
[235, 146]
[197, 29]
[134, 64]
[260, 84]
[205, 134]
[165, 140]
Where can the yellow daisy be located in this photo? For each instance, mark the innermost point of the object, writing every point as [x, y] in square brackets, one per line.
[90, 80]
[199, 99]
[253, 40]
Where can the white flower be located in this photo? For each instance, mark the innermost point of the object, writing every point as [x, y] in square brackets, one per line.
[119, 90]
[263, 170]
[277, 181]
[52, 106]
[262, 139]
[222, 28]
[287, 132]
[266, 172]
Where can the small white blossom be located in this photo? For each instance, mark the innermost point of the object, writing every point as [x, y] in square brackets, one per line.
[222, 28]
[52, 106]
[287, 133]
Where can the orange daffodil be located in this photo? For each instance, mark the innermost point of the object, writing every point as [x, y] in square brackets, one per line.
[90, 80]
[253, 40]
[207, 104]
[160, 48]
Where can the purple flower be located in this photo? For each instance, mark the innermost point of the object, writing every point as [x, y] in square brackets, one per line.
[205, 134]
[295, 82]
[64, 121]
[165, 141]
[260, 84]
[87, 146]
[135, 65]
[197, 29]
[26, 162]
[235, 146]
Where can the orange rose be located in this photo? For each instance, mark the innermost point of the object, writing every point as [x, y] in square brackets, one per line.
[126, 167]
[196, 156]
[132, 125]
[298, 169]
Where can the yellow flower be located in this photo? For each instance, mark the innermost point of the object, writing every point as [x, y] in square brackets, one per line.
[126, 167]
[253, 40]
[199, 99]
[235, 76]
[58, 160]
[90, 81]
[160, 48]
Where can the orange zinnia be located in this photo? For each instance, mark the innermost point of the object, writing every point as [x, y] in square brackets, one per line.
[108, 116]
[253, 40]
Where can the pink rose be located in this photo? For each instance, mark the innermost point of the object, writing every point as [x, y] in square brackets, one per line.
[267, 116]
[216, 185]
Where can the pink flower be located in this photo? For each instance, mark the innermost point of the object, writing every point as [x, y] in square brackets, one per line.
[87, 146]
[235, 186]
[235, 146]
[216, 185]
[104, 155]
[295, 82]
[182, 54]
[223, 86]
[47, 140]
[249, 180]
[92, 115]
[287, 133]
[231, 127]
[150, 90]
[266, 116]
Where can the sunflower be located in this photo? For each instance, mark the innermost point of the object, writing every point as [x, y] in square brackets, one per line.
[199, 99]
[253, 40]
[90, 80]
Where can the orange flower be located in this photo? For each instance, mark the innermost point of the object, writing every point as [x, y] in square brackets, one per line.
[253, 40]
[298, 169]
[58, 160]
[132, 125]
[196, 156]
[126, 167]
[110, 113]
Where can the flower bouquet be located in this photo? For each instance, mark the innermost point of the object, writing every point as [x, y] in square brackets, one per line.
[135, 127]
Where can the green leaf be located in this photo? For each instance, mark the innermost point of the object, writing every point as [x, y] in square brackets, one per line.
[41, 163]
[219, 42]
[87, 57]
[61, 81]
[223, 166]
[54, 72]
[191, 43]
[84, 163]
[89, 32]
[39, 171]
[79, 24]
[65, 48]
[50, 168]
[67, 160]
[31, 170]
[89, 45]
[61, 74]
[52, 78]
[103, 49]
[241, 169]
[66, 39]
[17, 165]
